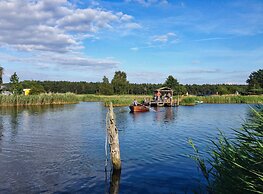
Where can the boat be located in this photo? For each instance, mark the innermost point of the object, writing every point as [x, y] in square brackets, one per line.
[199, 102]
[139, 108]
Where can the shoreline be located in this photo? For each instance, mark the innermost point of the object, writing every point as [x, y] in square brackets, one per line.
[119, 100]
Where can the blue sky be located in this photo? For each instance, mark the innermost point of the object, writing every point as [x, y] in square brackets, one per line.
[195, 41]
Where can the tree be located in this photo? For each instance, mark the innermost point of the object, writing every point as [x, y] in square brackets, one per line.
[120, 83]
[106, 87]
[255, 81]
[16, 87]
[172, 83]
[1, 75]
[36, 88]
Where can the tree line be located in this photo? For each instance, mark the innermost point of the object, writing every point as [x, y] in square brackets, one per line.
[120, 85]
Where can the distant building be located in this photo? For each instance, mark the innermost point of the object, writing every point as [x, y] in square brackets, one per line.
[7, 93]
[26, 92]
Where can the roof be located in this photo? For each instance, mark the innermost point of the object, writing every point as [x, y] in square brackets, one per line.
[164, 89]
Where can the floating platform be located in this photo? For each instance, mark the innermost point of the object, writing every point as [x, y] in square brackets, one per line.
[160, 104]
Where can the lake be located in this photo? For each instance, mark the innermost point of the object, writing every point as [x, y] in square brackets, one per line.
[60, 149]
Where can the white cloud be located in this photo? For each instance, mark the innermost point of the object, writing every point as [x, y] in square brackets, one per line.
[146, 77]
[71, 60]
[212, 38]
[54, 25]
[149, 2]
[168, 37]
[132, 26]
[134, 48]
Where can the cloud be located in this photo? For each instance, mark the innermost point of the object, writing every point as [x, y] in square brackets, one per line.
[168, 37]
[134, 48]
[149, 2]
[132, 26]
[212, 38]
[76, 60]
[146, 77]
[201, 71]
[54, 25]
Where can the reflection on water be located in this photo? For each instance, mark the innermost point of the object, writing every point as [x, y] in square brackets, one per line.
[161, 114]
[60, 149]
[115, 182]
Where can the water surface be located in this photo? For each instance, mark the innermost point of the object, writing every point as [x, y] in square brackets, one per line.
[60, 149]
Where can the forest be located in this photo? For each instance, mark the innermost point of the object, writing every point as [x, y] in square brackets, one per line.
[120, 85]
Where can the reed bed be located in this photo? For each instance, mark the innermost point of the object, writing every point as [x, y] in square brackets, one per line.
[253, 99]
[236, 165]
[188, 101]
[41, 99]
[117, 100]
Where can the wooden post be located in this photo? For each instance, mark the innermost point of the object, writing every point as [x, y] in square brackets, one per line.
[178, 100]
[113, 139]
[115, 181]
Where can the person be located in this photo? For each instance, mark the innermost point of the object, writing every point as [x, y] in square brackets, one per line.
[170, 97]
[145, 102]
[135, 103]
[158, 96]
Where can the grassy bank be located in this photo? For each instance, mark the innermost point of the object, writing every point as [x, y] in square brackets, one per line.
[117, 100]
[257, 99]
[42, 99]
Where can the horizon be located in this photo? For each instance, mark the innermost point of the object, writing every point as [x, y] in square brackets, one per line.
[218, 42]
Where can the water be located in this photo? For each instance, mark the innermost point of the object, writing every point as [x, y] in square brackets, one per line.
[61, 149]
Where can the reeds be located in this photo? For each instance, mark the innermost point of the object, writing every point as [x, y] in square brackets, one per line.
[188, 101]
[117, 100]
[226, 99]
[41, 99]
[237, 164]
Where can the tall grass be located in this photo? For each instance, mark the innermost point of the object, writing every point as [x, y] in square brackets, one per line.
[41, 99]
[257, 99]
[188, 101]
[237, 164]
[117, 100]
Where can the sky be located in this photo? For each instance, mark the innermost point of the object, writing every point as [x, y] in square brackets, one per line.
[196, 41]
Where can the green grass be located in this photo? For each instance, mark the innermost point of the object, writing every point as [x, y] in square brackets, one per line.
[236, 164]
[257, 99]
[188, 101]
[117, 100]
[41, 99]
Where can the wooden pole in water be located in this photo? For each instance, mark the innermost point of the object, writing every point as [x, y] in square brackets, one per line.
[115, 181]
[113, 139]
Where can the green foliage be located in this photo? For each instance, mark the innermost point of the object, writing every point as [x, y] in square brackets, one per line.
[16, 87]
[231, 99]
[237, 164]
[117, 100]
[188, 101]
[36, 88]
[171, 82]
[1, 75]
[223, 99]
[105, 87]
[120, 83]
[255, 81]
[132, 88]
[42, 99]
